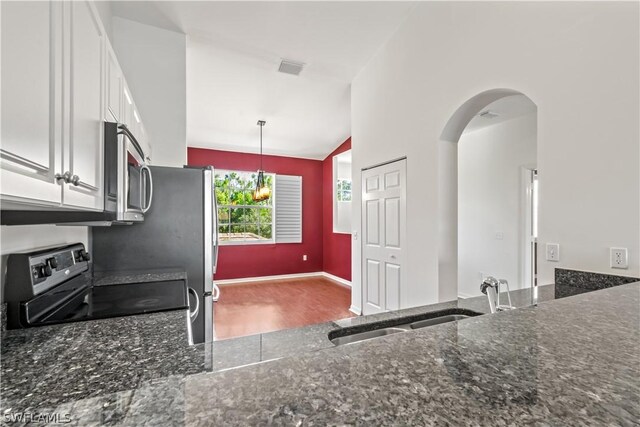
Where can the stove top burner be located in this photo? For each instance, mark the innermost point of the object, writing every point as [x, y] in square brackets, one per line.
[70, 302]
[54, 285]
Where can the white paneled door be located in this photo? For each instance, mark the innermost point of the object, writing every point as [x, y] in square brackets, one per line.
[383, 236]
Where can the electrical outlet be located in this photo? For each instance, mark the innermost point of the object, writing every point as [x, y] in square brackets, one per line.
[619, 258]
[499, 235]
[553, 252]
[304, 257]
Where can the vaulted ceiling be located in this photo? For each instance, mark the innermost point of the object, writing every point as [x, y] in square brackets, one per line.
[233, 53]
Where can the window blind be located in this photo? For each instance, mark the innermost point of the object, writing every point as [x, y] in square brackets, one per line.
[288, 207]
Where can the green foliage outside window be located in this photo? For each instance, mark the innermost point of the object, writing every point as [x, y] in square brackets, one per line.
[343, 189]
[240, 218]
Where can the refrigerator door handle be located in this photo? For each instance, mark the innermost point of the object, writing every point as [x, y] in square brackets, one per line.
[216, 293]
[216, 239]
[193, 314]
[215, 256]
[209, 228]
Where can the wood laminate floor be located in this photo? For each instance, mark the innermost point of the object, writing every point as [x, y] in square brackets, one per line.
[257, 307]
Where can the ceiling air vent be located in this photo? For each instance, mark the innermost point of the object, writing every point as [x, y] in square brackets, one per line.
[290, 67]
[488, 114]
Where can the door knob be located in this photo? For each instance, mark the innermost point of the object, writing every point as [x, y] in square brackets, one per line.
[393, 257]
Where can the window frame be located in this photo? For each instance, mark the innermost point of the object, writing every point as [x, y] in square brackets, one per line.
[271, 207]
[336, 191]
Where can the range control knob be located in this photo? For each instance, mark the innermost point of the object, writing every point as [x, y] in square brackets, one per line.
[45, 271]
[83, 255]
[53, 263]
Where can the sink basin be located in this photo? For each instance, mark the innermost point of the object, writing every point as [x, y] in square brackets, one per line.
[362, 336]
[437, 320]
[382, 328]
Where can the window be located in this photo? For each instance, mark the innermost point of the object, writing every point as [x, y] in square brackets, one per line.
[240, 218]
[342, 192]
[343, 188]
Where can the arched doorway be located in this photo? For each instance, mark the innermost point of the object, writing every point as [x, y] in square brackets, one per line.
[487, 168]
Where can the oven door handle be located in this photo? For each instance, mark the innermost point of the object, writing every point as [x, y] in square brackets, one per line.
[193, 314]
[144, 169]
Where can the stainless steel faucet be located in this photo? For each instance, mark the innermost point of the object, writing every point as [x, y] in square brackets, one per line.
[491, 288]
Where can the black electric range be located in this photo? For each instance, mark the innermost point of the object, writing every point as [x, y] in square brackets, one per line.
[55, 285]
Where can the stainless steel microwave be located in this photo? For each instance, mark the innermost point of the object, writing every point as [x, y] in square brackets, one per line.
[128, 188]
[127, 177]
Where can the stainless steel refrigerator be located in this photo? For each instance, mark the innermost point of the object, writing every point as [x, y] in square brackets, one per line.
[179, 232]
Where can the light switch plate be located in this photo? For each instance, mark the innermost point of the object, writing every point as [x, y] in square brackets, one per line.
[553, 252]
[619, 258]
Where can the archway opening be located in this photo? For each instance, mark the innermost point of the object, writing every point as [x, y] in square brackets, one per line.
[488, 194]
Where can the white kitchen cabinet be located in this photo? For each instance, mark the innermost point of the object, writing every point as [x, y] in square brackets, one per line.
[83, 153]
[146, 143]
[114, 91]
[127, 106]
[31, 102]
[60, 81]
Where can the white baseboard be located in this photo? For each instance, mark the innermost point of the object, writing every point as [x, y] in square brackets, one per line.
[355, 310]
[336, 278]
[283, 276]
[266, 278]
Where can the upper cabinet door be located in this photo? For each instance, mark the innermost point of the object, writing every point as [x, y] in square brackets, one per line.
[114, 87]
[127, 106]
[84, 141]
[31, 50]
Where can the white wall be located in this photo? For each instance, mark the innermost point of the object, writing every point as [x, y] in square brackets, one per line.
[577, 61]
[490, 190]
[154, 63]
[447, 220]
[27, 237]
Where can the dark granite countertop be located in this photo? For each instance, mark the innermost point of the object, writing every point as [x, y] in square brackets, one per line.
[52, 365]
[55, 364]
[49, 365]
[104, 278]
[575, 361]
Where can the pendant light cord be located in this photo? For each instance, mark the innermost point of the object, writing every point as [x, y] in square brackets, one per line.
[261, 146]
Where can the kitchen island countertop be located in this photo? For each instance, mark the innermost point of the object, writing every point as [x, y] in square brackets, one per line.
[567, 362]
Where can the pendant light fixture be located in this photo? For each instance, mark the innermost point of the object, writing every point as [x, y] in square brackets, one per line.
[262, 192]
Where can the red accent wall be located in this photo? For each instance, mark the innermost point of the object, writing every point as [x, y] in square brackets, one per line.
[336, 247]
[285, 258]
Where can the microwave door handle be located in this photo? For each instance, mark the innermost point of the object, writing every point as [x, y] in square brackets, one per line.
[144, 169]
[126, 132]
